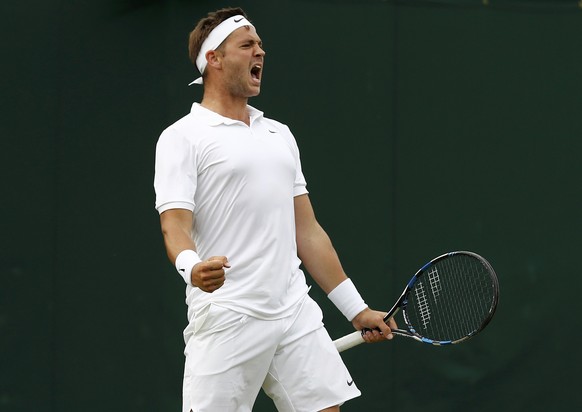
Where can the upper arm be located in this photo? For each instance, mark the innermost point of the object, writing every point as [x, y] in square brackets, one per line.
[305, 221]
[176, 219]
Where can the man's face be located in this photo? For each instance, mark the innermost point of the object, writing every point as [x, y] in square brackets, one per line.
[243, 59]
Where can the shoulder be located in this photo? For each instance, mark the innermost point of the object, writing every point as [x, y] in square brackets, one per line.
[189, 127]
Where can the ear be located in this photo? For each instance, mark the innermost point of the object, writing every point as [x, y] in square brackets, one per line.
[214, 59]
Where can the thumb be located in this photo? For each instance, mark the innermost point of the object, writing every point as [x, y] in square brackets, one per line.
[222, 259]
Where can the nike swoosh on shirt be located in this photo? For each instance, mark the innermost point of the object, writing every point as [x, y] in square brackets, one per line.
[350, 383]
[272, 131]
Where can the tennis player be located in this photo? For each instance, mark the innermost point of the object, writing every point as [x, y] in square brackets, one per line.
[237, 223]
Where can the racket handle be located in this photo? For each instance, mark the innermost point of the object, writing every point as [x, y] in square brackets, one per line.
[348, 341]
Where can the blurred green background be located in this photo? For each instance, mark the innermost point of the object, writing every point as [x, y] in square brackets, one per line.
[424, 127]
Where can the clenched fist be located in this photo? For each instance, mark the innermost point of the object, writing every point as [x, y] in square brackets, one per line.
[208, 275]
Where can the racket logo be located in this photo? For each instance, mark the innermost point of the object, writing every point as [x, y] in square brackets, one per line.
[435, 282]
[422, 303]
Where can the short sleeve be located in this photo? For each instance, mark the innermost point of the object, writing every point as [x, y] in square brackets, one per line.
[300, 184]
[175, 178]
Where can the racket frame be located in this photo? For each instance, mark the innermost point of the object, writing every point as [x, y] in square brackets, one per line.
[356, 338]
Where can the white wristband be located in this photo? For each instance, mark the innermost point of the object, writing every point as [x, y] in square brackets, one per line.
[347, 299]
[185, 262]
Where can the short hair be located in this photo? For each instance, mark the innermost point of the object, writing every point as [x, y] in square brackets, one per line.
[206, 25]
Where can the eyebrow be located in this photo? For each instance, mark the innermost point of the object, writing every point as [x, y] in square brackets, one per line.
[252, 41]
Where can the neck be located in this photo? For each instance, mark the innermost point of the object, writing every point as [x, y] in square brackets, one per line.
[226, 105]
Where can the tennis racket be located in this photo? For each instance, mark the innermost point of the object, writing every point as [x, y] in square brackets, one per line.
[449, 300]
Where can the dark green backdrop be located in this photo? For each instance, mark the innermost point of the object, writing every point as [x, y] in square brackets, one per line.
[423, 128]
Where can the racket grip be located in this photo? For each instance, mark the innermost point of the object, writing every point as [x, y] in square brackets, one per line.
[348, 341]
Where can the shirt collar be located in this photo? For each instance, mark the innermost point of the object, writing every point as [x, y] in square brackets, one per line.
[214, 119]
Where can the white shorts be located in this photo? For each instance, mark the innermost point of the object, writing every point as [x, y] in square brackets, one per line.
[231, 356]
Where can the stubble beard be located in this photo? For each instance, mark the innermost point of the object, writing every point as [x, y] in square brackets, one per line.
[238, 85]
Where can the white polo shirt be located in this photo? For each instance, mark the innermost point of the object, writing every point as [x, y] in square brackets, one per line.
[239, 182]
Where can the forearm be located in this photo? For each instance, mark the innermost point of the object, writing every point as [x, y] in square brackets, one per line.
[176, 230]
[320, 259]
[314, 247]
[322, 262]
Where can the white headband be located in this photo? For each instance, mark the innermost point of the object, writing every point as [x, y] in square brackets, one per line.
[215, 39]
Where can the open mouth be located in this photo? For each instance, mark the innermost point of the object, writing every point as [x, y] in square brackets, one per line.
[256, 71]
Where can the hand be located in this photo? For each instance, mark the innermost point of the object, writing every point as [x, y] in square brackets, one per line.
[373, 322]
[208, 275]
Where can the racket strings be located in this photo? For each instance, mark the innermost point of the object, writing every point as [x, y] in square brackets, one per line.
[452, 300]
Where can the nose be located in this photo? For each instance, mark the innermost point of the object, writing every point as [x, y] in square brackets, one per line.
[259, 52]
